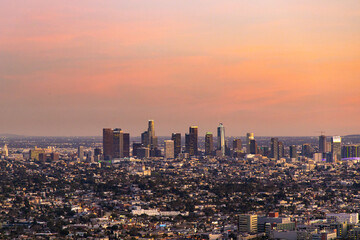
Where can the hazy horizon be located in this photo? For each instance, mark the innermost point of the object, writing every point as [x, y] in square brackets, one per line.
[182, 135]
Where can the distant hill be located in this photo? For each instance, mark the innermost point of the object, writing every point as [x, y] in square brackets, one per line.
[353, 135]
[9, 135]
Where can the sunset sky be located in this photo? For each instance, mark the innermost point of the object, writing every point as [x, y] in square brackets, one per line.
[272, 67]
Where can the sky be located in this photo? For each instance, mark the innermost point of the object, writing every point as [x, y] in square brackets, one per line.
[272, 67]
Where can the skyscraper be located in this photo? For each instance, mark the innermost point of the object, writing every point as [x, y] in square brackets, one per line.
[80, 153]
[145, 139]
[253, 147]
[191, 141]
[97, 151]
[136, 147]
[209, 144]
[118, 143]
[152, 137]
[114, 143]
[307, 150]
[149, 140]
[249, 136]
[176, 137]
[143, 152]
[293, 151]
[187, 143]
[281, 152]
[168, 149]
[328, 147]
[237, 145]
[107, 143]
[97, 154]
[322, 144]
[126, 144]
[336, 148]
[275, 148]
[221, 139]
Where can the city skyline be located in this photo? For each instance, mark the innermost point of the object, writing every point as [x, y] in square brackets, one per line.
[173, 119]
[284, 68]
[168, 133]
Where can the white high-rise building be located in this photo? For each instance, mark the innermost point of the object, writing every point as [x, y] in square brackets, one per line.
[168, 149]
[221, 139]
[5, 151]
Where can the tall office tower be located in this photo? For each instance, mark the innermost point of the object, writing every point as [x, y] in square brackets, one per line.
[143, 152]
[89, 156]
[293, 152]
[191, 141]
[152, 137]
[248, 223]
[148, 138]
[209, 144]
[154, 142]
[108, 140]
[328, 147]
[253, 147]
[354, 151]
[118, 143]
[281, 150]
[136, 147]
[145, 139]
[227, 149]
[275, 148]
[168, 149]
[346, 152]
[249, 136]
[266, 151]
[237, 145]
[322, 144]
[307, 150]
[221, 139]
[80, 153]
[126, 144]
[151, 128]
[97, 152]
[176, 137]
[336, 148]
[187, 142]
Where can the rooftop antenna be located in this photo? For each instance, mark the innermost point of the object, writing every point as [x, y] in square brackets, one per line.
[321, 132]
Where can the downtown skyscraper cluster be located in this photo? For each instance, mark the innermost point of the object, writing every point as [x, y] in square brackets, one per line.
[116, 144]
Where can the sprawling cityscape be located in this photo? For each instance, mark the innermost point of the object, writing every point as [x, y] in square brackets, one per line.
[180, 186]
[177, 119]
